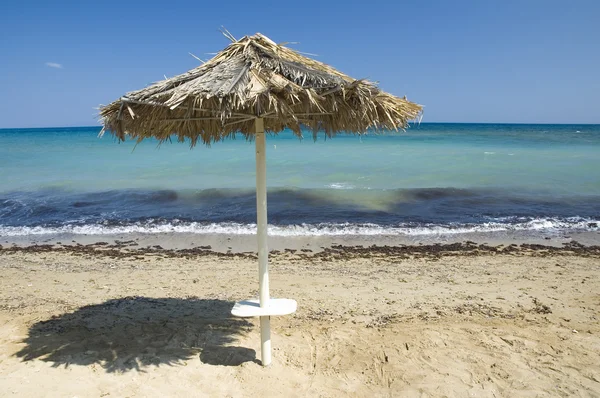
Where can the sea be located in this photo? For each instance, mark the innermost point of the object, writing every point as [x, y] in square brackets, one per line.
[432, 180]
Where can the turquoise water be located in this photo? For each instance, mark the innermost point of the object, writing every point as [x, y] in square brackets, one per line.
[434, 178]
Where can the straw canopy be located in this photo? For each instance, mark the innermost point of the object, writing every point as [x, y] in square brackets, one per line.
[255, 78]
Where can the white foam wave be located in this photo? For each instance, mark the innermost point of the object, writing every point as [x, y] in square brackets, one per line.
[540, 224]
[341, 185]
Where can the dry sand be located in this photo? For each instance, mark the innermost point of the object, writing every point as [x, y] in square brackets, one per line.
[92, 321]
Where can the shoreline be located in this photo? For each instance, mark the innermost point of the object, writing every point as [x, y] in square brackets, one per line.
[139, 246]
[238, 244]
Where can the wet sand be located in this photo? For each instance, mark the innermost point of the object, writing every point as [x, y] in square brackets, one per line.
[463, 319]
[247, 243]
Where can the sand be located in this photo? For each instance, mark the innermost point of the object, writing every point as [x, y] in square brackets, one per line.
[423, 321]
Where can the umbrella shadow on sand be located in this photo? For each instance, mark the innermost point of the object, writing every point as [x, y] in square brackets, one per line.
[136, 332]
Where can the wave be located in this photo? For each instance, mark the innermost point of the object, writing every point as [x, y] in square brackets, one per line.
[506, 224]
[296, 212]
[341, 185]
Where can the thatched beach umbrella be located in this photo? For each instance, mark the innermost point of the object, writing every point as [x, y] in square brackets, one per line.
[253, 87]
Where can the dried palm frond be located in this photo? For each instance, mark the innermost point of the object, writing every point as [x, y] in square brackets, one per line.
[255, 77]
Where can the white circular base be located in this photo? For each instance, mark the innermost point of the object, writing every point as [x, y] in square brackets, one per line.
[252, 308]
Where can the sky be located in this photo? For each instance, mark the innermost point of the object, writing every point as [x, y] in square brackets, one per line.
[528, 61]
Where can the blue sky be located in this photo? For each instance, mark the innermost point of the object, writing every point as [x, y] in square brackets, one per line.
[466, 61]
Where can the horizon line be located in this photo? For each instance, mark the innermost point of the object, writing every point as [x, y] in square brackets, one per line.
[410, 124]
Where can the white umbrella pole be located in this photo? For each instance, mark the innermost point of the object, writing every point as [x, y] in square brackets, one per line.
[261, 227]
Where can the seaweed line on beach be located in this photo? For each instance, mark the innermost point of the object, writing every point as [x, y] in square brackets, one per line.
[127, 249]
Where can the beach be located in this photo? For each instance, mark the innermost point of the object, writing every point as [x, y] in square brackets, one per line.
[121, 319]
